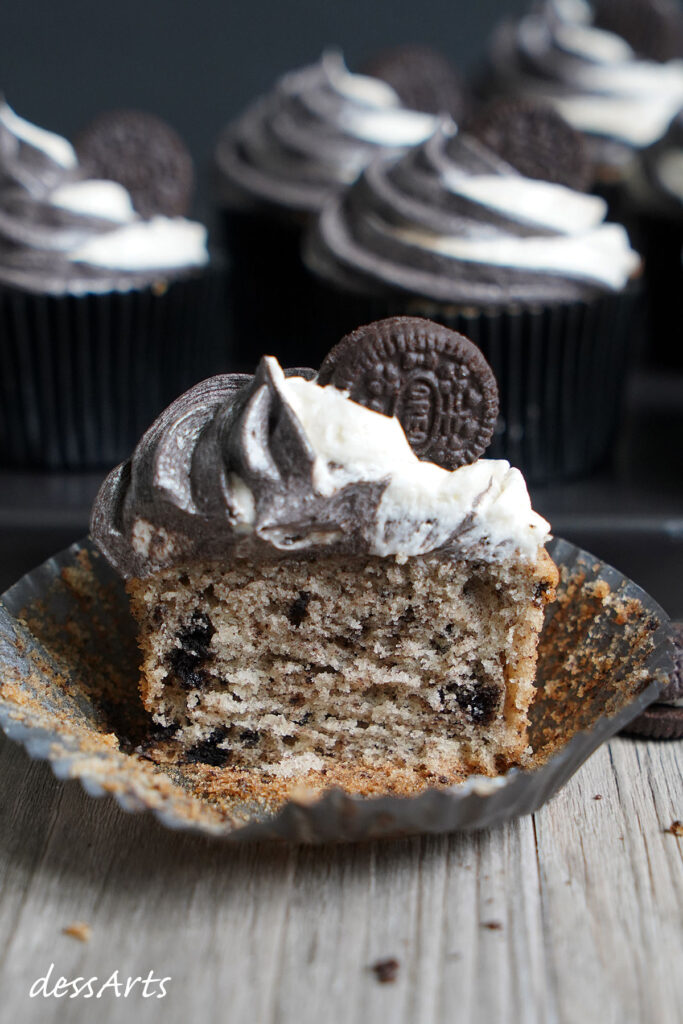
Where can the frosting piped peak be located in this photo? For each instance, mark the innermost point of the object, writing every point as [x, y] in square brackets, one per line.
[277, 466]
[312, 135]
[452, 221]
[561, 53]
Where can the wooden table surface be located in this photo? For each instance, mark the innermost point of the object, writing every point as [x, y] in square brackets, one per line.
[572, 915]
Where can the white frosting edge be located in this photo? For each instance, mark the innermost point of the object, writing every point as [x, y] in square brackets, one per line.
[160, 243]
[105, 199]
[542, 203]
[53, 145]
[602, 255]
[423, 504]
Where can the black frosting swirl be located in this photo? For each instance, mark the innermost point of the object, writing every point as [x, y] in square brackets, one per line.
[360, 243]
[181, 482]
[296, 146]
[227, 473]
[534, 56]
[37, 235]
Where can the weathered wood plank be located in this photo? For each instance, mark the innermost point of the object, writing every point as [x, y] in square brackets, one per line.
[588, 895]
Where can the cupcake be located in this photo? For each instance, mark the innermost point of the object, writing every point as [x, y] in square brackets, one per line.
[613, 69]
[525, 267]
[105, 314]
[326, 601]
[275, 167]
[654, 211]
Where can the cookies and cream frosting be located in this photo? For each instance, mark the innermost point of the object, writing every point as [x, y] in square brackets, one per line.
[275, 466]
[63, 233]
[452, 222]
[591, 76]
[312, 136]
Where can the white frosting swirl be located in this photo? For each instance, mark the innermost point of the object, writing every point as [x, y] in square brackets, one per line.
[423, 504]
[453, 222]
[312, 135]
[591, 76]
[61, 233]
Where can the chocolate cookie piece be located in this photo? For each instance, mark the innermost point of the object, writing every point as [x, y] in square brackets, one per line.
[653, 28]
[535, 140]
[142, 153]
[423, 78]
[434, 380]
[663, 721]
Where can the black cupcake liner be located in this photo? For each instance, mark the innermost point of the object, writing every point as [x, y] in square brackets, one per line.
[270, 309]
[81, 377]
[561, 369]
[605, 654]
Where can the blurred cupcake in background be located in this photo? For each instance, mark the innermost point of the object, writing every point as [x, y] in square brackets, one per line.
[275, 167]
[654, 212]
[518, 258]
[106, 312]
[612, 68]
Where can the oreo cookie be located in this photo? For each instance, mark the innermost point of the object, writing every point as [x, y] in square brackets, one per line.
[664, 721]
[423, 78]
[145, 155]
[535, 140]
[434, 380]
[653, 28]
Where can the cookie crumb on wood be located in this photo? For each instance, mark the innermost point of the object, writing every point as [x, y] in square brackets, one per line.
[493, 926]
[78, 930]
[386, 971]
[675, 828]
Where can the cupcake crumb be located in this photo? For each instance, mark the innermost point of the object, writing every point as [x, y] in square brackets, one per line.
[386, 971]
[78, 930]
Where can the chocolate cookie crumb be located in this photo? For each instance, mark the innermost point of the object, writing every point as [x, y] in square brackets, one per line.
[299, 608]
[386, 971]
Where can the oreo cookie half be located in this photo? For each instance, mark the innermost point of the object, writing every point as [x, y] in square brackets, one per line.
[663, 720]
[653, 28]
[535, 140]
[423, 78]
[145, 155]
[434, 380]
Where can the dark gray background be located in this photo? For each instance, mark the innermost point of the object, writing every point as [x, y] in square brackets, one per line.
[198, 63]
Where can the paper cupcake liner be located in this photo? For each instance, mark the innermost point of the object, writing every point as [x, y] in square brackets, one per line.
[269, 290]
[81, 377]
[68, 692]
[561, 370]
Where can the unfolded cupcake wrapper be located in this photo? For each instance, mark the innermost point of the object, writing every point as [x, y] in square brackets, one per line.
[561, 370]
[269, 290]
[70, 696]
[81, 377]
